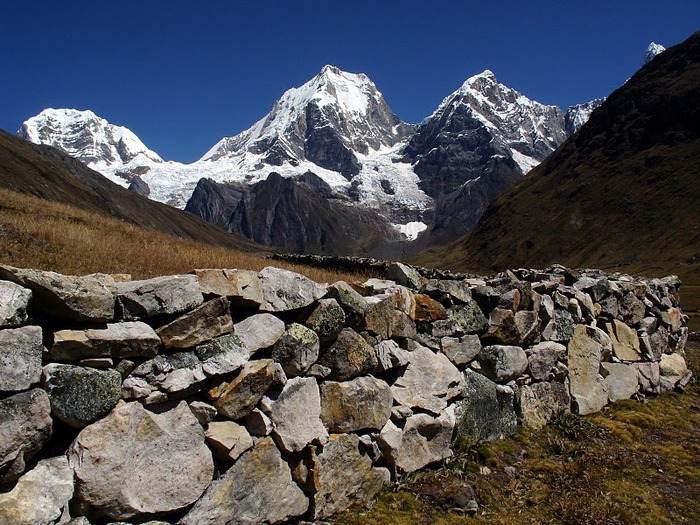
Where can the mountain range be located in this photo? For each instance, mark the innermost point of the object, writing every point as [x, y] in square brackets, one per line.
[332, 170]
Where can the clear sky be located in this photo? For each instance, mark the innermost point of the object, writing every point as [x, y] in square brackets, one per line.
[183, 74]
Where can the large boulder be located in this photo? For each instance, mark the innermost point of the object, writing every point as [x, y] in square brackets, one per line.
[258, 488]
[20, 358]
[296, 350]
[41, 496]
[461, 319]
[486, 411]
[672, 368]
[205, 322]
[538, 403]
[349, 357]
[327, 320]
[625, 342]
[25, 427]
[404, 275]
[66, 297]
[14, 300]
[119, 340]
[79, 395]
[133, 462]
[542, 359]
[161, 295]
[589, 391]
[343, 476]
[429, 382]
[361, 404]
[386, 319]
[422, 440]
[242, 287]
[560, 328]
[501, 363]
[296, 414]
[284, 290]
[461, 351]
[353, 304]
[237, 397]
[621, 379]
[259, 331]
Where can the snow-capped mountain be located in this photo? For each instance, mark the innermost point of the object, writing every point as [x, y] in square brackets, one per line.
[336, 136]
[112, 150]
[652, 50]
[578, 115]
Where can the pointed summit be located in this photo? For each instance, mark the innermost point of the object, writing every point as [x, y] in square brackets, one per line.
[652, 50]
[324, 121]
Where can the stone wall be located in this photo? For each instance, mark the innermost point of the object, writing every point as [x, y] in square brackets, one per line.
[231, 396]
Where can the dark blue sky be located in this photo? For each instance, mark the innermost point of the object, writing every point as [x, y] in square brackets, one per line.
[182, 74]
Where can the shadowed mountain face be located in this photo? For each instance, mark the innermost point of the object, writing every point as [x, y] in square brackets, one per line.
[623, 191]
[52, 174]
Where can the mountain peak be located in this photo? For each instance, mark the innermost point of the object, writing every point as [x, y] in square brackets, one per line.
[652, 50]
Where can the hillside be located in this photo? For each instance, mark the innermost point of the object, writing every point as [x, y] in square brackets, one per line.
[50, 174]
[621, 193]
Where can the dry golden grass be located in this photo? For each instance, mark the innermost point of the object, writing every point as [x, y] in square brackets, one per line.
[35, 233]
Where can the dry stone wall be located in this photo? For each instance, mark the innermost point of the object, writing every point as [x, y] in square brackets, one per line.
[232, 396]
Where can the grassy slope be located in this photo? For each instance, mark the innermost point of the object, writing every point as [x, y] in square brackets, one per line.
[622, 194]
[36, 233]
[635, 463]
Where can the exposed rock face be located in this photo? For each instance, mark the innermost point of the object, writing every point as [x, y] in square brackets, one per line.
[228, 439]
[487, 410]
[20, 358]
[79, 395]
[350, 356]
[361, 404]
[296, 414]
[258, 488]
[542, 359]
[83, 299]
[327, 320]
[242, 287]
[344, 477]
[13, 304]
[503, 363]
[41, 496]
[25, 427]
[621, 380]
[625, 342]
[161, 449]
[130, 339]
[205, 322]
[157, 296]
[296, 350]
[284, 290]
[589, 391]
[223, 355]
[259, 331]
[539, 402]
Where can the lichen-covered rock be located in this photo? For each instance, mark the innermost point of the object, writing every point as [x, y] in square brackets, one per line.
[41, 496]
[538, 403]
[85, 299]
[404, 275]
[171, 373]
[349, 357]
[296, 414]
[119, 340]
[237, 397]
[327, 320]
[502, 329]
[461, 351]
[428, 309]
[20, 358]
[589, 391]
[343, 476]
[361, 404]
[132, 463]
[621, 379]
[284, 290]
[560, 328]
[542, 359]
[161, 295]
[205, 322]
[25, 427]
[14, 300]
[259, 331]
[258, 488]
[227, 439]
[386, 320]
[242, 287]
[456, 290]
[486, 411]
[462, 319]
[296, 350]
[353, 304]
[501, 363]
[222, 355]
[81, 395]
[625, 341]
[429, 382]
[422, 440]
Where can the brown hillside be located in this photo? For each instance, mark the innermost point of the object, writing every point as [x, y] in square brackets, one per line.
[50, 174]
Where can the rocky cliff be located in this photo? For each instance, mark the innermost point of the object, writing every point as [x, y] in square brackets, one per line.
[232, 396]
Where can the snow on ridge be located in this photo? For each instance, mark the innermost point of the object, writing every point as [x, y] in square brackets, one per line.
[652, 51]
